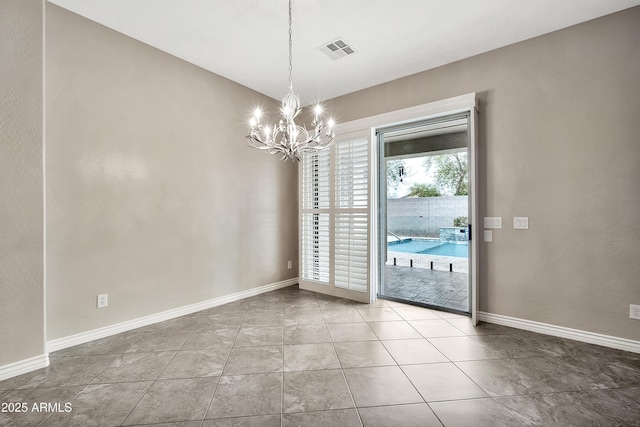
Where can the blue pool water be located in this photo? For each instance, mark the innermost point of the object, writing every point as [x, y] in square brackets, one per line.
[430, 247]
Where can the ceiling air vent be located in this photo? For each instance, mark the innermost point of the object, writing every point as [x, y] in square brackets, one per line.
[337, 49]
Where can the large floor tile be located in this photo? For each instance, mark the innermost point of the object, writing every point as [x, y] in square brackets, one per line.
[174, 400]
[315, 391]
[415, 415]
[504, 377]
[259, 336]
[101, 405]
[306, 334]
[211, 338]
[363, 354]
[169, 340]
[347, 315]
[476, 412]
[377, 386]
[185, 323]
[336, 418]
[326, 302]
[414, 351]
[435, 328]
[442, 381]
[343, 332]
[135, 367]
[379, 314]
[609, 372]
[459, 349]
[557, 375]
[263, 318]
[309, 357]
[197, 363]
[266, 305]
[465, 325]
[254, 360]
[235, 307]
[256, 421]
[301, 305]
[246, 395]
[556, 410]
[303, 318]
[508, 346]
[394, 330]
[620, 406]
[416, 313]
[222, 320]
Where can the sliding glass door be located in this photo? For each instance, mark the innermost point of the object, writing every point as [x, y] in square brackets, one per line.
[424, 211]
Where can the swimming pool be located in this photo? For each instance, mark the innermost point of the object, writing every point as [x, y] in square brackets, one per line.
[430, 247]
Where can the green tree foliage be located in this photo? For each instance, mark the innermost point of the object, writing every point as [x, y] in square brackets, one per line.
[450, 172]
[423, 190]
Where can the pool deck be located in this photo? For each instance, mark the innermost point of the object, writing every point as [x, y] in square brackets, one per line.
[438, 288]
[421, 284]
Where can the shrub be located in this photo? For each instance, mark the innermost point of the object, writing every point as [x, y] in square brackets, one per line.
[460, 221]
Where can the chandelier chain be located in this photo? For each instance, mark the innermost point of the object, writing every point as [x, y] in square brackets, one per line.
[290, 50]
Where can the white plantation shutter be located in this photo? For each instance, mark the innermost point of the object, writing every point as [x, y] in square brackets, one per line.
[351, 225]
[315, 221]
[334, 219]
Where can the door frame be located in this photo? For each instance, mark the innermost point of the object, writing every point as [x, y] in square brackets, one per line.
[459, 104]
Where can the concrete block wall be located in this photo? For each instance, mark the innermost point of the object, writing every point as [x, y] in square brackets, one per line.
[424, 216]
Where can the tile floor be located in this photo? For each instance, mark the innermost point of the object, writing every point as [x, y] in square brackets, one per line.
[294, 358]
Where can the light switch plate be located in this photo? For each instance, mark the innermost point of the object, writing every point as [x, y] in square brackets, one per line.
[488, 236]
[521, 222]
[492, 222]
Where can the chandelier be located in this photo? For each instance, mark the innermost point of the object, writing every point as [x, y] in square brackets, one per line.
[288, 138]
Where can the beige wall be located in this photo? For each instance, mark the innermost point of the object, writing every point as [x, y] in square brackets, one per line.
[559, 143]
[21, 212]
[152, 194]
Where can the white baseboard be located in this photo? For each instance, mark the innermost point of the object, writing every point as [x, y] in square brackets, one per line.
[23, 366]
[84, 337]
[562, 332]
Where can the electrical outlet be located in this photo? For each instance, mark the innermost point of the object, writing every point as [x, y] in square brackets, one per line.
[290, 265]
[103, 300]
[634, 311]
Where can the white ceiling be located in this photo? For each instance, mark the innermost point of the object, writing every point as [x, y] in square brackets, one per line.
[246, 40]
